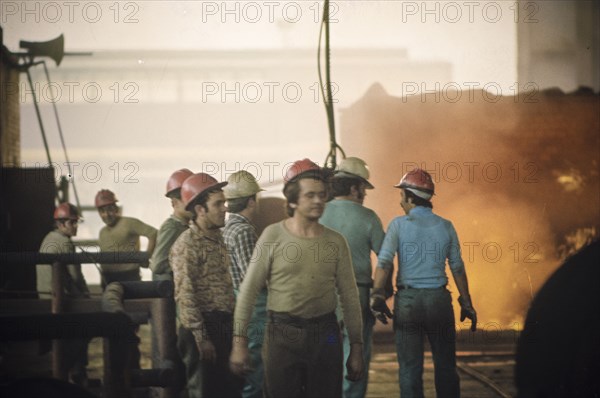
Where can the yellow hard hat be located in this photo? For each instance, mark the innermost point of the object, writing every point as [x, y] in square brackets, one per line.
[240, 185]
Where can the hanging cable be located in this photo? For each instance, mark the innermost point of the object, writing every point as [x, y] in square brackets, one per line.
[331, 159]
[25, 68]
[62, 139]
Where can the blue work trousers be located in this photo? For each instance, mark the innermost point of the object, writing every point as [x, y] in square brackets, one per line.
[253, 386]
[358, 389]
[420, 313]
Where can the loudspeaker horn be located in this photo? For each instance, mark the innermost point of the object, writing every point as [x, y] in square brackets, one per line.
[54, 48]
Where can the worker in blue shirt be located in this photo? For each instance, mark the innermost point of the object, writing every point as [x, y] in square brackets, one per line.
[423, 242]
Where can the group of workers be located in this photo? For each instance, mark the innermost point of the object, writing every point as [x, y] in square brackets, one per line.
[290, 313]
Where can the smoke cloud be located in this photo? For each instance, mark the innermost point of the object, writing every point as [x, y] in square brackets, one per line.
[517, 175]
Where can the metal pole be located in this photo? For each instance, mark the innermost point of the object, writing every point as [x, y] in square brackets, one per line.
[62, 139]
[163, 324]
[39, 116]
[59, 367]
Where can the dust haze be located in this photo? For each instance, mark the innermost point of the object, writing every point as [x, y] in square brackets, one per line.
[517, 175]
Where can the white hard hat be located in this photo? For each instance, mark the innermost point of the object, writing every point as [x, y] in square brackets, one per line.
[240, 185]
[352, 167]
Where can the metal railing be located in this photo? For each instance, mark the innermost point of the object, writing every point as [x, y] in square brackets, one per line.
[114, 317]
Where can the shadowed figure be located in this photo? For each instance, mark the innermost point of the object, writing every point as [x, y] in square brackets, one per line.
[558, 354]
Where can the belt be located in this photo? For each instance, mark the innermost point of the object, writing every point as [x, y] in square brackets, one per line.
[216, 315]
[369, 284]
[402, 287]
[288, 319]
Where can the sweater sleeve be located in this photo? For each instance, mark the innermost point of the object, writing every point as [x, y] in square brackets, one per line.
[348, 293]
[254, 281]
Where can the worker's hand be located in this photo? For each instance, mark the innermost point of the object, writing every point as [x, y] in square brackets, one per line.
[467, 311]
[388, 288]
[208, 353]
[354, 364]
[379, 307]
[239, 360]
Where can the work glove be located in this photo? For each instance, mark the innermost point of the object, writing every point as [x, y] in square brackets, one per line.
[467, 311]
[378, 306]
[388, 288]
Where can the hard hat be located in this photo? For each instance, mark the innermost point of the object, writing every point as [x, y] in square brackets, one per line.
[352, 167]
[176, 179]
[66, 211]
[105, 197]
[195, 185]
[240, 185]
[300, 167]
[419, 182]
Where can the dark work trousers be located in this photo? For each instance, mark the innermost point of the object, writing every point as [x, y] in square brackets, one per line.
[218, 381]
[186, 345]
[127, 276]
[302, 357]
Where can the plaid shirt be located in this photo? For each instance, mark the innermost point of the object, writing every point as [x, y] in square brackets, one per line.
[240, 237]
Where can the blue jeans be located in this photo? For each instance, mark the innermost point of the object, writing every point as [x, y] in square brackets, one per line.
[358, 389]
[253, 386]
[419, 313]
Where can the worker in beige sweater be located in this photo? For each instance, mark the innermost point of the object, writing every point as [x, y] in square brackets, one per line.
[303, 264]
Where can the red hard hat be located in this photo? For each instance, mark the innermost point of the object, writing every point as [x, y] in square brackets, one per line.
[194, 185]
[105, 197]
[66, 211]
[300, 167]
[419, 182]
[177, 179]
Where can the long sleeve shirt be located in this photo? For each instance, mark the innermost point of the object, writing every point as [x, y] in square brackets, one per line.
[201, 275]
[167, 235]
[240, 238]
[423, 242]
[75, 285]
[302, 276]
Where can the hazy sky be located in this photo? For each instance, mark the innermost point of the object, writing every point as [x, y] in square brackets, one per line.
[477, 37]
[478, 40]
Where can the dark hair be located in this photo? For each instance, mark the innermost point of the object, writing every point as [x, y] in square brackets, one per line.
[292, 191]
[238, 204]
[417, 201]
[201, 200]
[175, 194]
[60, 221]
[343, 186]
